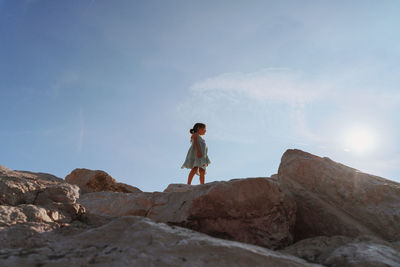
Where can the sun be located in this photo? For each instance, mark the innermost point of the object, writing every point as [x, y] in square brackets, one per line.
[360, 140]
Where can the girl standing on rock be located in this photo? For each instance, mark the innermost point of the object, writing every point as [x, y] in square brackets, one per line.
[197, 159]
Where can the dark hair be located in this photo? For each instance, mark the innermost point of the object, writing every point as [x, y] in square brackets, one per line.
[196, 127]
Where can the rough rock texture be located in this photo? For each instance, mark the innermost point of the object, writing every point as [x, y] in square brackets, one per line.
[20, 187]
[317, 249]
[178, 188]
[33, 203]
[96, 181]
[344, 251]
[43, 177]
[250, 210]
[334, 199]
[364, 254]
[137, 241]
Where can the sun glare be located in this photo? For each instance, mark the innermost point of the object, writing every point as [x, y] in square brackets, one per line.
[360, 140]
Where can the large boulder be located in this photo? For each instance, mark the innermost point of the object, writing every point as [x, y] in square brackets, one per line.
[97, 181]
[34, 203]
[333, 199]
[137, 241]
[21, 187]
[252, 210]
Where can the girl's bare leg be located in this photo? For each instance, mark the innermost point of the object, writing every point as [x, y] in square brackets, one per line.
[191, 174]
[202, 175]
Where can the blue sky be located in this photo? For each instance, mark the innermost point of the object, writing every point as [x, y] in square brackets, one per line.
[116, 85]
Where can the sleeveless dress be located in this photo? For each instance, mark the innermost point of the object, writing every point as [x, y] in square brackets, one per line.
[191, 158]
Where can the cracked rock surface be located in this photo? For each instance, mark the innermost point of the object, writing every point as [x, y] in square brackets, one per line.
[33, 203]
[252, 210]
[138, 241]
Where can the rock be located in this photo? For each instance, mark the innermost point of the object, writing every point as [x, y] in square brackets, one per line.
[66, 212]
[364, 255]
[97, 181]
[334, 199]
[116, 204]
[10, 215]
[344, 251]
[60, 193]
[20, 187]
[35, 203]
[16, 190]
[137, 241]
[316, 249]
[23, 235]
[178, 188]
[44, 178]
[364, 251]
[274, 177]
[252, 210]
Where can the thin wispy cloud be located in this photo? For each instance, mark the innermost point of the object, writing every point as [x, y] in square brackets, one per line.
[254, 101]
[298, 88]
[283, 85]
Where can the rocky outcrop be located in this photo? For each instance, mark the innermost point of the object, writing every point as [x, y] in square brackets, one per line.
[250, 210]
[97, 181]
[333, 199]
[34, 203]
[338, 215]
[42, 225]
[344, 251]
[21, 187]
[137, 241]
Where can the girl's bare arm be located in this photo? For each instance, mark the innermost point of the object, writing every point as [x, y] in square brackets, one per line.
[196, 145]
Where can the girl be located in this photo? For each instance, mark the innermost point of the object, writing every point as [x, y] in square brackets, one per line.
[197, 158]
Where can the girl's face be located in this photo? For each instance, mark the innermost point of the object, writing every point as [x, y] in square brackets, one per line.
[202, 131]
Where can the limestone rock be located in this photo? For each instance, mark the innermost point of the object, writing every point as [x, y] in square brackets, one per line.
[44, 178]
[334, 199]
[16, 190]
[10, 215]
[64, 193]
[20, 187]
[34, 203]
[96, 181]
[252, 210]
[137, 241]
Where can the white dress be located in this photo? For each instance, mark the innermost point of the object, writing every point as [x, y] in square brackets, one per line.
[192, 160]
